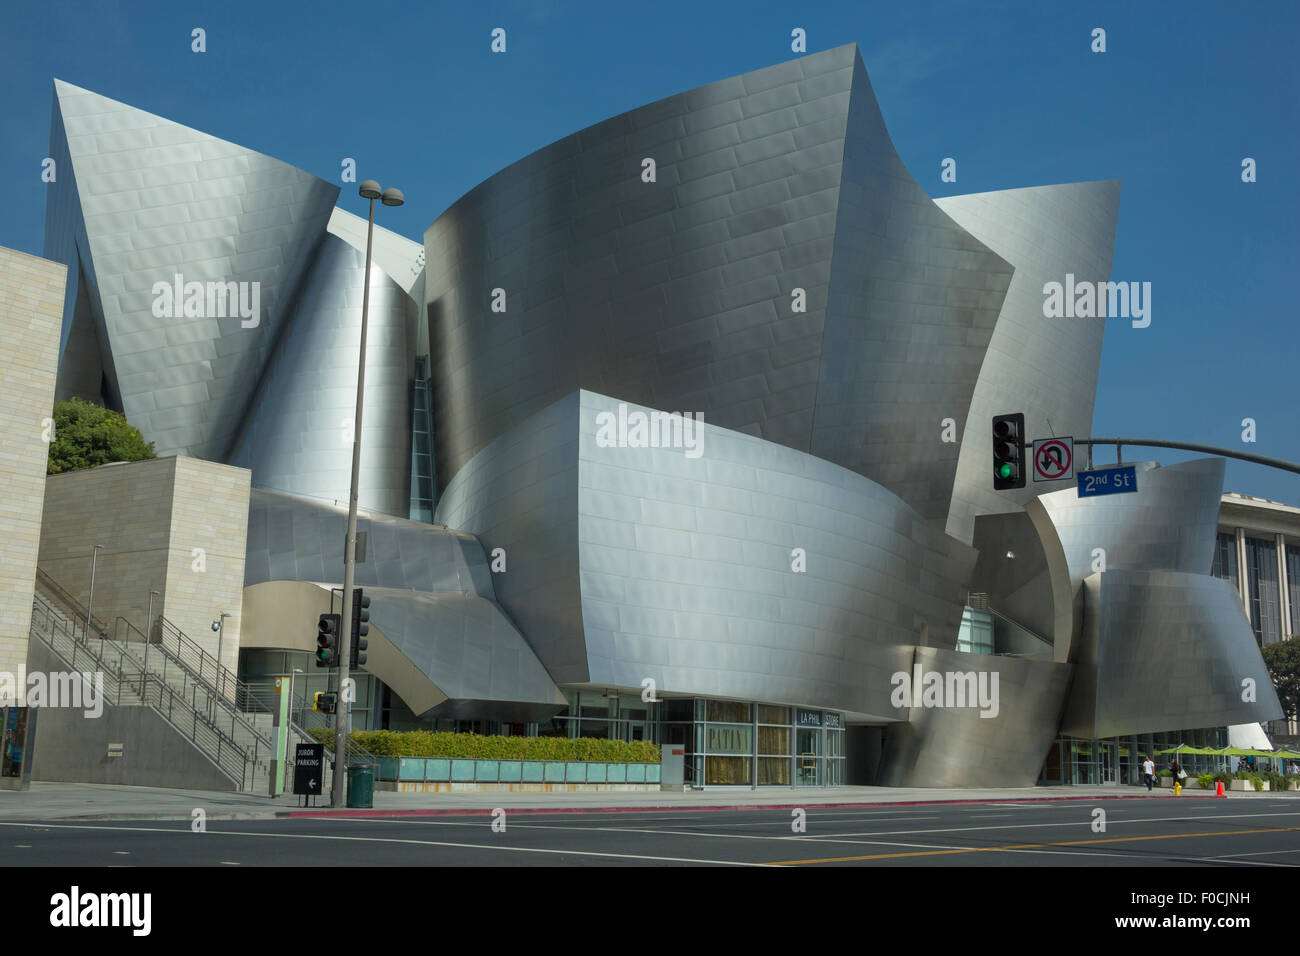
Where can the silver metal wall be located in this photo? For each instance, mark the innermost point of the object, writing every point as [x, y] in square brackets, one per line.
[1169, 523]
[156, 199]
[911, 306]
[432, 597]
[677, 294]
[1046, 368]
[299, 436]
[956, 747]
[1169, 650]
[631, 563]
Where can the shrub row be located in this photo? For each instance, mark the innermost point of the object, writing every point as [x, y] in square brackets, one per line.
[424, 743]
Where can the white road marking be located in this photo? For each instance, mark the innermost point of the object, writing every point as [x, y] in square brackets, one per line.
[358, 839]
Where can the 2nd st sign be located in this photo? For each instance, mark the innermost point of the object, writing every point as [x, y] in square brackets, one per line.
[1107, 481]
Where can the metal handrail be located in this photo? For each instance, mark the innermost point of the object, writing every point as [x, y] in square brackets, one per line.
[213, 700]
[146, 688]
[198, 661]
[70, 606]
[196, 658]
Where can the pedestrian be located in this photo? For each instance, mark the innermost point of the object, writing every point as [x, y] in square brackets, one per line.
[1176, 771]
[1148, 772]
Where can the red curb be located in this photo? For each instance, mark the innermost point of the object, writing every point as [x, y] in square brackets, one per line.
[738, 806]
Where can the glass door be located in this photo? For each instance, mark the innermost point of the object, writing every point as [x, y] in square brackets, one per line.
[1108, 754]
[809, 765]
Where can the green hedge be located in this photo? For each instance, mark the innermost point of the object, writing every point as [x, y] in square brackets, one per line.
[424, 743]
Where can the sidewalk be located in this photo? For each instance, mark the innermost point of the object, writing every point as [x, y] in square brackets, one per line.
[74, 801]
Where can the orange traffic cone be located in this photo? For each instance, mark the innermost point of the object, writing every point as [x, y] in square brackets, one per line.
[1218, 791]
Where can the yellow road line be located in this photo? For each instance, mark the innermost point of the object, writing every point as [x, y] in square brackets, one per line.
[1030, 846]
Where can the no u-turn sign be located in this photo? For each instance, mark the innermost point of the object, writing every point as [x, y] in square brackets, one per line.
[1053, 459]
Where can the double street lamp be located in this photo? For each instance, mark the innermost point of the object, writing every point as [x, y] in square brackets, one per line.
[389, 197]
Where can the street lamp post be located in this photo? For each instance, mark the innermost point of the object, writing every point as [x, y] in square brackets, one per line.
[219, 626]
[148, 629]
[90, 601]
[389, 197]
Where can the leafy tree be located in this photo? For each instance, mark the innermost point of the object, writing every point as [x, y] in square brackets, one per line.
[86, 435]
[1283, 662]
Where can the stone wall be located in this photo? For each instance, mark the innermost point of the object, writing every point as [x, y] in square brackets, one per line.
[31, 314]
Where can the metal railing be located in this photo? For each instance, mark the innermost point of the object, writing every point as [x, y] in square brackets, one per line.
[126, 683]
[250, 698]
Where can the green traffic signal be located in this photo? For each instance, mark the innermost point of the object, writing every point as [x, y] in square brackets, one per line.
[1004, 470]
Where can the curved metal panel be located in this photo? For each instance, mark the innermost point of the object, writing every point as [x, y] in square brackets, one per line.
[432, 597]
[159, 200]
[629, 563]
[956, 747]
[1169, 650]
[1169, 523]
[681, 293]
[1046, 368]
[911, 306]
[299, 437]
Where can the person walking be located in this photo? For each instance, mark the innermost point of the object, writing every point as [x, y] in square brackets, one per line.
[1176, 771]
[1148, 772]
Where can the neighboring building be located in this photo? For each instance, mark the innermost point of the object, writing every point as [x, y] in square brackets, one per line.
[703, 459]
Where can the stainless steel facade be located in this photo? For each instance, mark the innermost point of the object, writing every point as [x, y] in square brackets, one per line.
[432, 594]
[629, 564]
[1046, 368]
[781, 274]
[1160, 648]
[680, 294]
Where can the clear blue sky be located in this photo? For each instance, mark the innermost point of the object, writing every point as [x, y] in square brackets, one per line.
[1011, 90]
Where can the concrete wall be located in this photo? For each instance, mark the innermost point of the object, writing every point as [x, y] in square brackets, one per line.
[31, 312]
[73, 748]
[174, 525]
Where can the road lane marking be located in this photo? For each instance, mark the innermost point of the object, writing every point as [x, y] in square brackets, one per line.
[361, 839]
[1034, 846]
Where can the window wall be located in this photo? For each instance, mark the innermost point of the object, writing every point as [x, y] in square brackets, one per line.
[1263, 590]
[1225, 557]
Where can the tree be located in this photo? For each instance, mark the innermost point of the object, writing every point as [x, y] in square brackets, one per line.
[86, 435]
[1283, 662]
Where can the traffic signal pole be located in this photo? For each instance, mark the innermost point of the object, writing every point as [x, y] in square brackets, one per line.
[1119, 443]
[341, 717]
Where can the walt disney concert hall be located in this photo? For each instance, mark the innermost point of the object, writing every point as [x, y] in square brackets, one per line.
[676, 429]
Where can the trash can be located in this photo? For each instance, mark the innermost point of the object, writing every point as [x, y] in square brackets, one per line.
[361, 787]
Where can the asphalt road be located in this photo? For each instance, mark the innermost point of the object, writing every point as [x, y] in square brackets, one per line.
[1161, 832]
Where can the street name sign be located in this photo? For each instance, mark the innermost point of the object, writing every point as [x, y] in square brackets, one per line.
[1108, 481]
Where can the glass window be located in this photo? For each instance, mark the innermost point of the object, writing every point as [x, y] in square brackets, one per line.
[773, 715]
[774, 740]
[773, 771]
[1261, 577]
[976, 634]
[1225, 557]
[728, 739]
[726, 770]
[679, 708]
[1293, 584]
[729, 711]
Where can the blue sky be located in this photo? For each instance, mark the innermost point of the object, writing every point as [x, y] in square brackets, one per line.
[1011, 90]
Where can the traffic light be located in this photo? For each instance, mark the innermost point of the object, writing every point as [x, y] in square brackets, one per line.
[324, 702]
[1008, 451]
[360, 628]
[327, 640]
